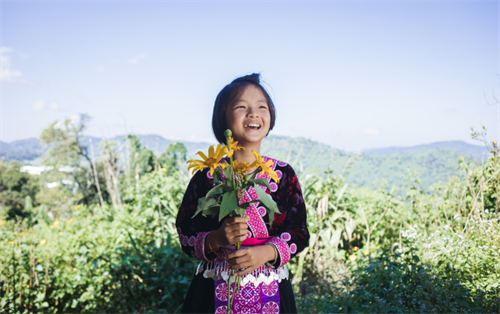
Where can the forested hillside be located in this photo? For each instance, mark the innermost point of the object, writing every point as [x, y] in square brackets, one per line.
[102, 238]
[430, 163]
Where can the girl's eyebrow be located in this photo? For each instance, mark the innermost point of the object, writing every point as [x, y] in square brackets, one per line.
[240, 100]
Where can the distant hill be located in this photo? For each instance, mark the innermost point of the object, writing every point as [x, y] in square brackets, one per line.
[458, 146]
[433, 162]
[431, 165]
[32, 148]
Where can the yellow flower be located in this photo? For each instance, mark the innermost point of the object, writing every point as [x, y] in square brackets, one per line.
[69, 221]
[78, 207]
[352, 258]
[12, 242]
[22, 233]
[43, 242]
[212, 161]
[355, 248]
[56, 222]
[163, 169]
[60, 233]
[89, 216]
[265, 167]
[378, 247]
[2, 223]
[367, 253]
[233, 146]
[241, 166]
[39, 260]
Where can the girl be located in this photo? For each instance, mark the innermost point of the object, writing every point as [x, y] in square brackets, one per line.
[246, 109]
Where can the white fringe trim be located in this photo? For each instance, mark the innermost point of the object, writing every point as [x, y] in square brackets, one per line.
[219, 269]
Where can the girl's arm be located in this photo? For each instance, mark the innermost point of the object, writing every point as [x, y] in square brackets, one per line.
[193, 231]
[289, 227]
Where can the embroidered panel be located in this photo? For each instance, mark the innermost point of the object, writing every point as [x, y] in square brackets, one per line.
[199, 245]
[283, 249]
[261, 298]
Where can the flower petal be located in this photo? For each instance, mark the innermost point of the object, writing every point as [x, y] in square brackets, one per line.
[202, 155]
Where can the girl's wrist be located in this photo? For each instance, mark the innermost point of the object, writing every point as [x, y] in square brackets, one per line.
[273, 255]
[214, 244]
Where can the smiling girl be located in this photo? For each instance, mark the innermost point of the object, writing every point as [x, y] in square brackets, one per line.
[244, 107]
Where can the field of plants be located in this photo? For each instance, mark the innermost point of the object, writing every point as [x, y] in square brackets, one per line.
[101, 237]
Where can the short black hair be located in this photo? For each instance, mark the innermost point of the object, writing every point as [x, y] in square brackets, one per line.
[228, 95]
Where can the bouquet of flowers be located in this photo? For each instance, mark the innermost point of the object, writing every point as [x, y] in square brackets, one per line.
[231, 181]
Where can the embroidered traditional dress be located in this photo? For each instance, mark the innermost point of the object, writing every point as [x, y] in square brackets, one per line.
[266, 289]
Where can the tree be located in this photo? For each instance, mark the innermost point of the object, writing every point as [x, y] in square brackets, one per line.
[66, 149]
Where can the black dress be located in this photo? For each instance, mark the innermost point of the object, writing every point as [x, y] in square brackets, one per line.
[289, 232]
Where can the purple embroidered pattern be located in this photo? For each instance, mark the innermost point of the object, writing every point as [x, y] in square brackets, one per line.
[285, 236]
[262, 211]
[191, 241]
[200, 245]
[270, 289]
[221, 292]
[221, 310]
[270, 308]
[250, 298]
[184, 240]
[293, 248]
[279, 173]
[274, 187]
[283, 249]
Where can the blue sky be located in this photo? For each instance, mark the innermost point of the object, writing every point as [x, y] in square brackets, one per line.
[352, 75]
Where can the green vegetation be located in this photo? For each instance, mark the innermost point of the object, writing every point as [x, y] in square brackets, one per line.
[103, 238]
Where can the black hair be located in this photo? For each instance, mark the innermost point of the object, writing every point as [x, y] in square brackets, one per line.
[228, 95]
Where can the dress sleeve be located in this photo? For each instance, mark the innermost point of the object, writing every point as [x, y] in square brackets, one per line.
[193, 231]
[289, 227]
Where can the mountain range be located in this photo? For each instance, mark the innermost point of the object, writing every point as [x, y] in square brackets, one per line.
[432, 162]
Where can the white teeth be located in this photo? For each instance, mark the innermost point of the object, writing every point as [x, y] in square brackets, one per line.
[252, 125]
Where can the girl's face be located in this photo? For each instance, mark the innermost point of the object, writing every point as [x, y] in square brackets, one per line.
[249, 117]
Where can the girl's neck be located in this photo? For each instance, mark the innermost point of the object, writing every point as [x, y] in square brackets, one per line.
[246, 155]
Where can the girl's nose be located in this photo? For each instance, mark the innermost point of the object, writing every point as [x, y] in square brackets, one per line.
[252, 113]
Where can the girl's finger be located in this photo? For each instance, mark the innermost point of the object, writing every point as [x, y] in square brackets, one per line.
[237, 253]
[241, 266]
[237, 220]
[245, 271]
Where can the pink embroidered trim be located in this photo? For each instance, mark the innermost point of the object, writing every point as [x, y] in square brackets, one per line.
[285, 236]
[199, 246]
[283, 249]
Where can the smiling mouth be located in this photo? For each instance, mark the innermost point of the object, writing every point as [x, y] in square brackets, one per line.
[252, 126]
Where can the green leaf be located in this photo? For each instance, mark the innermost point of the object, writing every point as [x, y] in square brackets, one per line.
[262, 182]
[211, 210]
[240, 211]
[216, 176]
[219, 189]
[204, 203]
[229, 203]
[268, 203]
[228, 173]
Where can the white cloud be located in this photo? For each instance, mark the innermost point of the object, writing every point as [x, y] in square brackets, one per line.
[40, 105]
[136, 59]
[54, 106]
[100, 68]
[7, 74]
[371, 132]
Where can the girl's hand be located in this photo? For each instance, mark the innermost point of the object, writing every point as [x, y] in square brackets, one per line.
[233, 230]
[248, 259]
